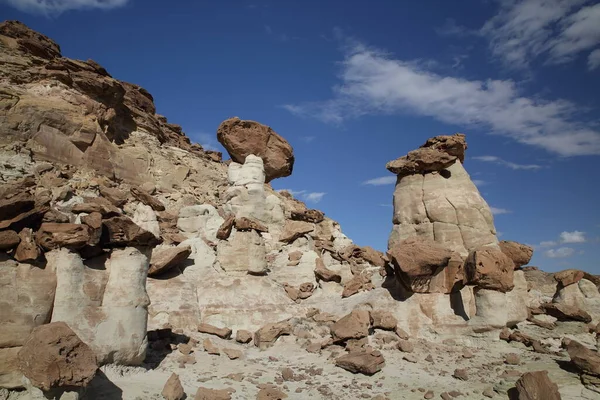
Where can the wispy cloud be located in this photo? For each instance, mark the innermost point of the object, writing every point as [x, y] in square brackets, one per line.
[509, 164]
[384, 180]
[594, 60]
[499, 211]
[451, 28]
[207, 141]
[55, 7]
[308, 139]
[555, 30]
[479, 182]
[372, 82]
[561, 252]
[572, 237]
[311, 197]
[548, 243]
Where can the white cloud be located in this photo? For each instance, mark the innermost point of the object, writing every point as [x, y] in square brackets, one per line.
[372, 82]
[548, 243]
[55, 7]
[384, 180]
[499, 211]
[499, 161]
[207, 141]
[314, 197]
[556, 30]
[594, 60]
[572, 237]
[479, 182]
[311, 197]
[561, 252]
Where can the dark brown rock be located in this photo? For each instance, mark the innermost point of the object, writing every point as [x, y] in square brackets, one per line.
[366, 362]
[586, 360]
[242, 138]
[352, 326]
[461, 374]
[536, 386]
[116, 197]
[94, 222]
[226, 227]
[243, 336]
[268, 334]
[312, 216]
[384, 320]
[146, 198]
[565, 312]
[164, 259]
[568, 277]
[53, 356]
[294, 230]
[9, 240]
[519, 253]
[324, 274]
[122, 231]
[28, 250]
[97, 205]
[490, 268]
[246, 224]
[52, 236]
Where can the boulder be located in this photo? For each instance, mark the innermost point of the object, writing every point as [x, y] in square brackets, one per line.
[173, 389]
[146, 198]
[268, 334]
[384, 320]
[94, 222]
[568, 277]
[366, 362]
[52, 236]
[223, 333]
[122, 232]
[519, 253]
[9, 240]
[243, 138]
[243, 252]
[54, 356]
[586, 360]
[28, 250]
[226, 227]
[312, 216]
[536, 386]
[200, 221]
[213, 394]
[425, 266]
[243, 336]
[294, 230]
[490, 268]
[565, 312]
[246, 224]
[164, 259]
[352, 326]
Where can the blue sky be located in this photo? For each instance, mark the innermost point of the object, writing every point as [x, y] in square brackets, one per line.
[353, 84]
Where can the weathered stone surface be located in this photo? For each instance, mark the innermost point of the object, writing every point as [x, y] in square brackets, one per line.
[94, 222]
[122, 231]
[384, 320]
[52, 236]
[294, 230]
[10, 375]
[96, 204]
[519, 253]
[223, 333]
[324, 274]
[243, 252]
[173, 389]
[243, 336]
[268, 334]
[352, 326]
[242, 138]
[9, 240]
[426, 267]
[105, 303]
[584, 359]
[226, 227]
[54, 356]
[490, 268]
[564, 312]
[536, 386]
[212, 394]
[568, 277]
[117, 197]
[146, 198]
[246, 224]
[366, 362]
[200, 221]
[28, 250]
[164, 259]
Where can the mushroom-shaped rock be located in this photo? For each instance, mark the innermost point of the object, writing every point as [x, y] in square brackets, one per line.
[53, 356]
[425, 266]
[519, 253]
[490, 268]
[242, 138]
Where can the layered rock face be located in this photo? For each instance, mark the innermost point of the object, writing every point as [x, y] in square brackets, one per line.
[436, 199]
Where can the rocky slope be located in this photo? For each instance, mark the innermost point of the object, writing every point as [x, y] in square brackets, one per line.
[124, 246]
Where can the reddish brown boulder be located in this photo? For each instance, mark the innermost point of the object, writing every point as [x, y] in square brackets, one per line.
[519, 253]
[384, 320]
[294, 230]
[586, 360]
[117, 197]
[210, 347]
[268, 334]
[28, 250]
[357, 284]
[270, 393]
[173, 389]
[9, 240]
[568, 277]
[565, 312]
[163, 260]
[96, 205]
[353, 253]
[312, 216]
[146, 198]
[324, 274]
[122, 231]
[243, 336]
[94, 221]
[490, 268]
[54, 356]
[213, 394]
[242, 138]
[352, 326]
[536, 386]
[366, 362]
[424, 266]
[52, 236]
[21, 211]
[246, 224]
[226, 227]
[223, 333]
